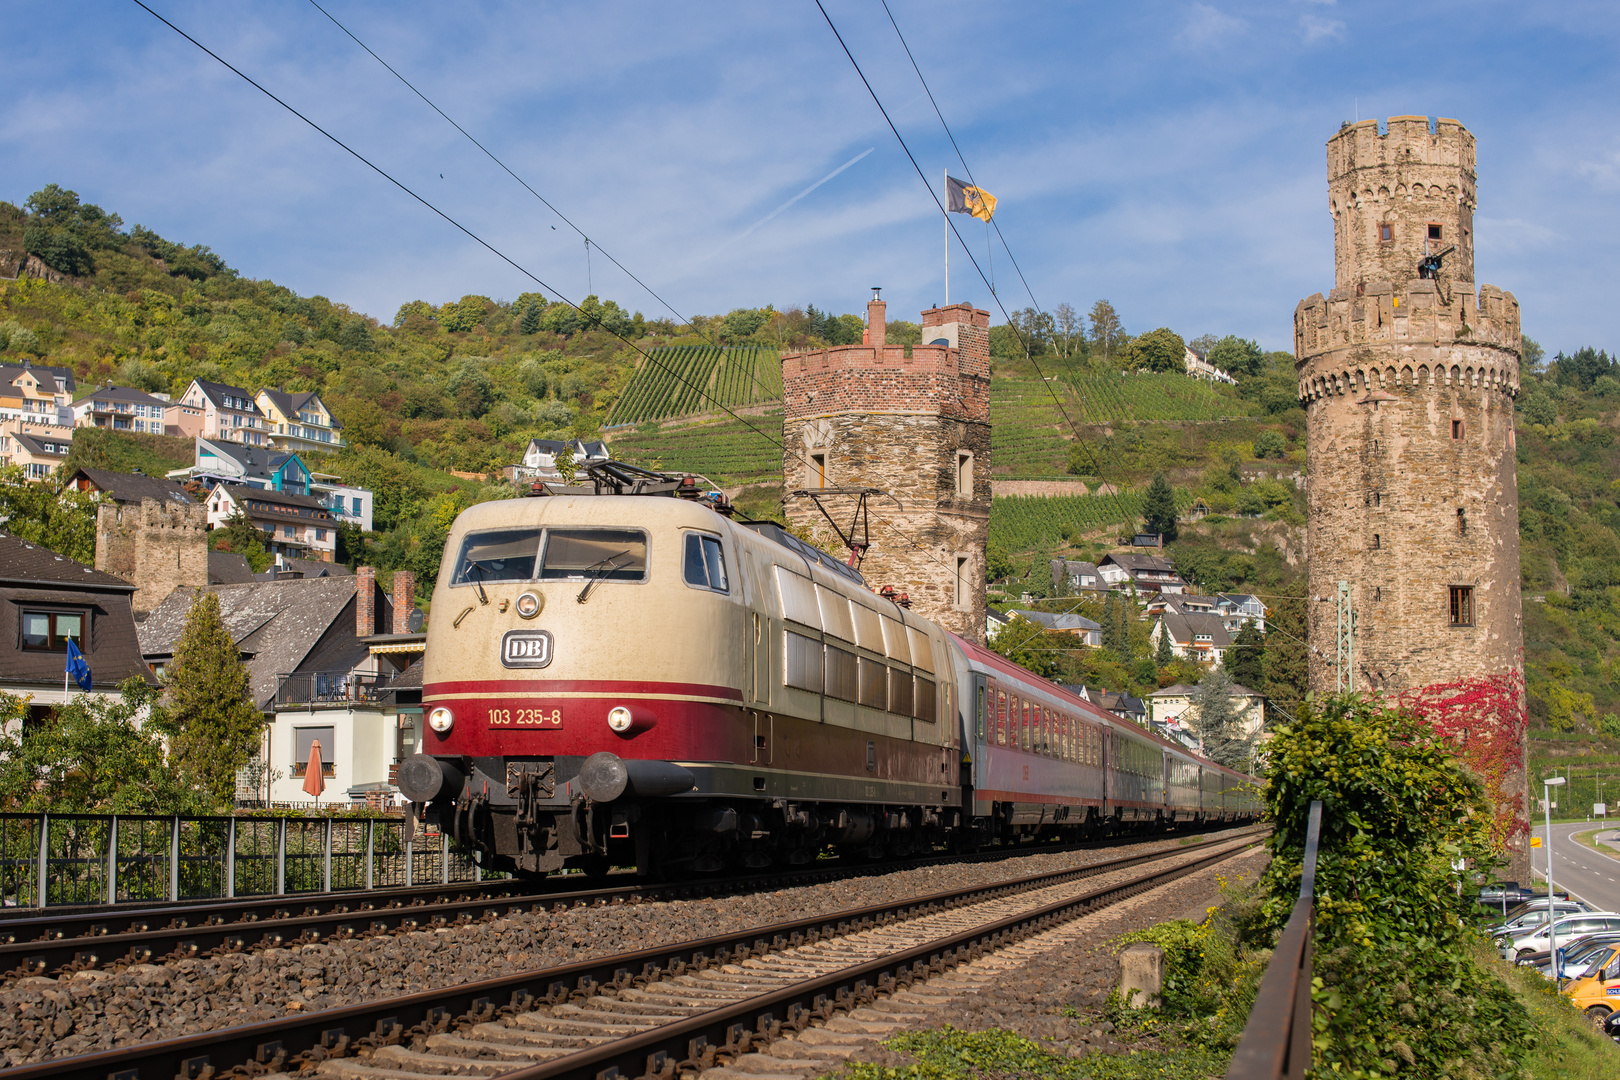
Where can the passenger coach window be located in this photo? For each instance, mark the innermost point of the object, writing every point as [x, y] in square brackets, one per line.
[705, 563]
[497, 555]
[595, 554]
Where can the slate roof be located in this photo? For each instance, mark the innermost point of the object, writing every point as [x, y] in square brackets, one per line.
[216, 392]
[314, 568]
[289, 403]
[123, 393]
[22, 561]
[1071, 568]
[44, 445]
[1186, 690]
[1057, 622]
[276, 623]
[10, 372]
[1132, 561]
[228, 568]
[1184, 627]
[133, 487]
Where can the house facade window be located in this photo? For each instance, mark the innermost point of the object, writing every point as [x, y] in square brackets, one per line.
[302, 738]
[49, 631]
[1462, 605]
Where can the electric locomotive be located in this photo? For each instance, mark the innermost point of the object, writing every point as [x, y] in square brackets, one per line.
[621, 672]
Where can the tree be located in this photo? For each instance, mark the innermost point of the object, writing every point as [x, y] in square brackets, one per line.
[530, 323]
[63, 521]
[1157, 350]
[1238, 356]
[1215, 722]
[1246, 659]
[1166, 650]
[1287, 659]
[1069, 328]
[1110, 624]
[241, 536]
[1030, 645]
[1107, 334]
[1159, 509]
[213, 728]
[1270, 444]
[91, 756]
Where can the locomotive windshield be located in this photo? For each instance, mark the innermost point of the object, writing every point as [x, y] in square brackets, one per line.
[597, 554]
[497, 555]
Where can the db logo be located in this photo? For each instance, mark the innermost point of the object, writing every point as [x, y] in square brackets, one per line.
[525, 648]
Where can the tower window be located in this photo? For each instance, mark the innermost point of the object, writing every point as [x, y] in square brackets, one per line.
[1462, 605]
[1456, 429]
[1376, 542]
[1386, 232]
[1462, 521]
[964, 593]
[1434, 232]
[964, 473]
[818, 469]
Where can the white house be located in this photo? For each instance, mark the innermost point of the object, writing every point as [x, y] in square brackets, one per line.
[121, 408]
[1199, 367]
[1146, 573]
[1176, 708]
[298, 526]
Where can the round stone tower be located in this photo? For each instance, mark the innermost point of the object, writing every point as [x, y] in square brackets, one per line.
[1408, 376]
[914, 422]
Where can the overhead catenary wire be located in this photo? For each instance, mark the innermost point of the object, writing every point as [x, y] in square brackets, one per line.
[1023, 339]
[650, 358]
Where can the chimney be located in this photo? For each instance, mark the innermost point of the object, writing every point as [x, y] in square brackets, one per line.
[365, 601]
[404, 600]
[876, 321]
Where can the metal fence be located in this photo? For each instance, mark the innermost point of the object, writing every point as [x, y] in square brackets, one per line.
[326, 687]
[50, 859]
[1276, 1043]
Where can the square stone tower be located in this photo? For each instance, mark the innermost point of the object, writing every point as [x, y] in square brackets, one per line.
[914, 421]
[158, 546]
[1408, 375]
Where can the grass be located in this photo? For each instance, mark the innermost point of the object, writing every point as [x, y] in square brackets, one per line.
[992, 1055]
[1588, 839]
[1569, 1047]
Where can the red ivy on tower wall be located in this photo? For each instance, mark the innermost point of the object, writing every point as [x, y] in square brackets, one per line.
[1485, 722]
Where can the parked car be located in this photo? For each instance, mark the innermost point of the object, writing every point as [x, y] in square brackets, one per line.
[1598, 994]
[1506, 894]
[1575, 955]
[1537, 938]
[1534, 914]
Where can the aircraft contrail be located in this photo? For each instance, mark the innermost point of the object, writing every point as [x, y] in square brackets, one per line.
[791, 201]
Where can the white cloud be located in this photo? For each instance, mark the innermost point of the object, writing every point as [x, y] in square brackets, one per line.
[1314, 28]
[1208, 27]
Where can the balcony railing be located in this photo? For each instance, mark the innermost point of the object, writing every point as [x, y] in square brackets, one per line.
[311, 688]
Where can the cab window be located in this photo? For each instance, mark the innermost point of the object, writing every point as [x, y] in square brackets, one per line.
[594, 554]
[704, 563]
[497, 555]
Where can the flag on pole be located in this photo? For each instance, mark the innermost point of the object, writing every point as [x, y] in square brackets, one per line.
[78, 666]
[314, 774]
[967, 199]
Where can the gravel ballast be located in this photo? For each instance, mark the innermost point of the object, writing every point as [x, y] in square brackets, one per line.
[42, 1018]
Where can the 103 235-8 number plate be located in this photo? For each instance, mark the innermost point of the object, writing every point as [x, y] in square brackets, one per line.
[532, 718]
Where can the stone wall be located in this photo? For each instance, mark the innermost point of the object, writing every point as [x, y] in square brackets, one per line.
[159, 547]
[872, 416]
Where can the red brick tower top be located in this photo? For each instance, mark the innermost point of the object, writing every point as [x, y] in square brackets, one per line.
[948, 375]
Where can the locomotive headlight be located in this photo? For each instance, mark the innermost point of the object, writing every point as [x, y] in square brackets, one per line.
[440, 720]
[620, 720]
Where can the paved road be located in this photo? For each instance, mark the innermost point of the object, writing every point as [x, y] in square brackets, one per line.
[1591, 876]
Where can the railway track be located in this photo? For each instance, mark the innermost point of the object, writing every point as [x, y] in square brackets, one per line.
[94, 938]
[654, 1012]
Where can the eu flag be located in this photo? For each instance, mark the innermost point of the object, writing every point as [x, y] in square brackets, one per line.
[78, 666]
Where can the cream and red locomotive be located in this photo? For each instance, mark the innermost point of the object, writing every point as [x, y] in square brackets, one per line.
[622, 673]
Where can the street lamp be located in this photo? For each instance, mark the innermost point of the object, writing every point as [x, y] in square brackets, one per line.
[1547, 784]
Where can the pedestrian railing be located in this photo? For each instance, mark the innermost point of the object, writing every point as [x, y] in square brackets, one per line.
[56, 859]
[1276, 1043]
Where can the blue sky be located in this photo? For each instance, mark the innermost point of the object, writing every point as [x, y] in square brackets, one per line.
[1165, 156]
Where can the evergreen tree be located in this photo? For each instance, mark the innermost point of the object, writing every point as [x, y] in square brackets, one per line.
[1123, 613]
[1287, 659]
[213, 728]
[1216, 723]
[1246, 660]
[1110, 624]
[1159, 508]
[1165, 652]
[531, 319]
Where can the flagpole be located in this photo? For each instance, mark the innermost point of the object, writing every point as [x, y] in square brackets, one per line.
[946, 219]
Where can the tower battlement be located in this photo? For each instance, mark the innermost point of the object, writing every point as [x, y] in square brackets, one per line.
[950, 379]
[1400, 195]
[1419, 332]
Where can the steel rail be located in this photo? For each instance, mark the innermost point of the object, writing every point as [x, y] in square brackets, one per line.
[114, 935]
[340, 1031]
